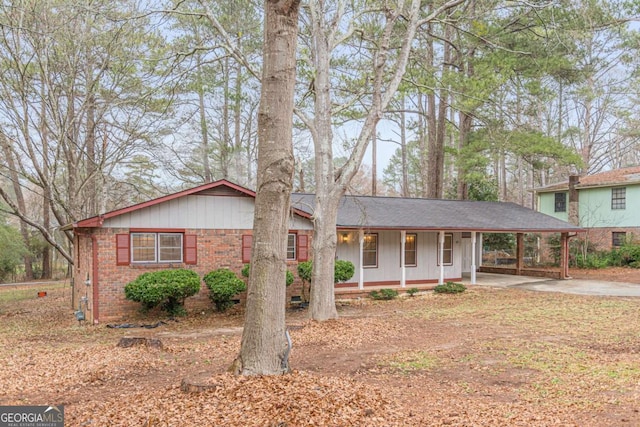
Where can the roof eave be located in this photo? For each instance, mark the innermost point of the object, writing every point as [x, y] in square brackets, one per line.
[344, 227]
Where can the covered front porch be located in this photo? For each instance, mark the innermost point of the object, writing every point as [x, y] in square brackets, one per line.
[404, 258]
[407, 257]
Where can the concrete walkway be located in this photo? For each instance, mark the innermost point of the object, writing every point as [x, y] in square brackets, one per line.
[571, 286]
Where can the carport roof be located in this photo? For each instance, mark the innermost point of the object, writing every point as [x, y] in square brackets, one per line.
[435, 214]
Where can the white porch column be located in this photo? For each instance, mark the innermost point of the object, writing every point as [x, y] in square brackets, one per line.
[403, 271]
[361, 275]
[441, 258]
[473, 257]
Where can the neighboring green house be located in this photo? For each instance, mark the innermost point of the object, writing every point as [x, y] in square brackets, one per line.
[606, 204]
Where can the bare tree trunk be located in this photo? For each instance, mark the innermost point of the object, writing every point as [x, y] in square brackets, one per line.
[300, 170]
[403, 151]
[46, 201]
[442, 122]
[322, 299]
[19, 197]
[587, 145]
[430, 172]
[204, 129]
[237, 120]
[264, 348]
[225, 144]
[466, 122]
[423, 144]
[374, 164]
[503, 176]
[437, 134]
[465, 129]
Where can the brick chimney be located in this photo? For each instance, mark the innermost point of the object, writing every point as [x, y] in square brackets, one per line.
[574, 214]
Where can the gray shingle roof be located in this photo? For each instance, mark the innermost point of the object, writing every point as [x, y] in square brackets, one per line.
[436, 214]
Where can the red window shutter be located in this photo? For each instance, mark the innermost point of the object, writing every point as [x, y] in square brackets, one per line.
[123, 254]
[190, 249]
[247, 241]
[303, 247]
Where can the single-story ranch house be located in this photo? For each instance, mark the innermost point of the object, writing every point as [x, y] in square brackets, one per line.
[393, 242]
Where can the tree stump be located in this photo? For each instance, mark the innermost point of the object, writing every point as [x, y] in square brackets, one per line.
[198, 383]
[126, 342]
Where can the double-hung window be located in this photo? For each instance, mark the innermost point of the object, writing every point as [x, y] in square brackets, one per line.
[619, 198]
[560, 202]
[618, 238]
[370, 250]
[156, 247]
[291, 246]
[410, 251]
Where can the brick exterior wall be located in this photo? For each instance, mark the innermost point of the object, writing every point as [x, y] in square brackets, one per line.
[601, 237]
[216, 249]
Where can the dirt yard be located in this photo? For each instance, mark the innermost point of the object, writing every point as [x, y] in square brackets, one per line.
[498, 357]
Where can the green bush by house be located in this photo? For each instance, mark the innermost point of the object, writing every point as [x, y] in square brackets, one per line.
[627, 255]
[166, 288]
[384, 294]
[223, 285]
[450, 288]
[343, 271]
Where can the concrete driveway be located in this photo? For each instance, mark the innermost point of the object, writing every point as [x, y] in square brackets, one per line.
[571, 286]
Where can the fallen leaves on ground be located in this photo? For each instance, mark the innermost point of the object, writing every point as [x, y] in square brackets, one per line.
[486, 357]
[296, 399]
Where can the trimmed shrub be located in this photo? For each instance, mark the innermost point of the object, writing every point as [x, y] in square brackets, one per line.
[343, 271]
[247, 269]
[450, 288]
[223, 285]
[166, 288]
[384, 294]
[412, 291]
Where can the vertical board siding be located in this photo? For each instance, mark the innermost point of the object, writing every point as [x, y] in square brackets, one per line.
[389, 257]
[197, 212]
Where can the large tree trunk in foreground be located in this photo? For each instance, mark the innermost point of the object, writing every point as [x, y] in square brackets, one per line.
[322, 302]
[264, 349]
